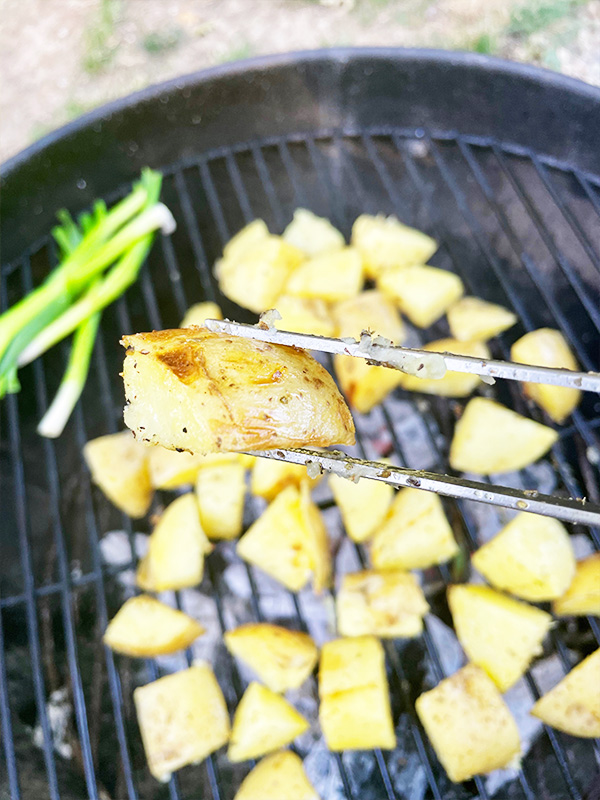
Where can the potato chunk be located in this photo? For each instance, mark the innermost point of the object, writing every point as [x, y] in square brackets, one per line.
[196, 314]
[281, 658]
[548, 348]
[220, 490]
[254, 274]
[573, 706]
[119, 466]
[289, 541]
[386, 603]
[264, 721]
[203, 392]
[145, 627]
[499, 634]
[269, 477]
[423, 293]
[363, 505]
[491, 438]
[333, 276]
[176, 549]
[355, 709]
[473, 319]
[182, 717]
[416, 533]
[583, 595]
[385, 243]
[279, 776]
[469, 725]
[531, 557]
[256, 231]
[453, 384]
[170, 469]
[304, 315]
[365, 385]
[312, 234]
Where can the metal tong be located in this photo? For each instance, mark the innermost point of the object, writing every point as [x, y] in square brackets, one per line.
[381, 353]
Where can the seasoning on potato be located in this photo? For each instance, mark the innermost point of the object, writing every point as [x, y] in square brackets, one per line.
[279, 776]
[583, 595]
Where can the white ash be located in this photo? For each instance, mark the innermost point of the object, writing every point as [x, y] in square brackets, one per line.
[582, 546]
[58, 710]
[593, 455]
[487, 379]
[313, 469]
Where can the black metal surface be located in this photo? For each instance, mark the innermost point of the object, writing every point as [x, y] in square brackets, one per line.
[518, 229]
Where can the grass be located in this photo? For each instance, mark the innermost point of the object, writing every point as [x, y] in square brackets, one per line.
[100, 47]
[487, 44]
[160, 41]
[533, 17]
[243, 50]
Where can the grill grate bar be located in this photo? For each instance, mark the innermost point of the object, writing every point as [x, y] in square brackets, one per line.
[6, 724]
[589, 191]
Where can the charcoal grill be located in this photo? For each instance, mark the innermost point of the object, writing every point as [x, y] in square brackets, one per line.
[501, 164]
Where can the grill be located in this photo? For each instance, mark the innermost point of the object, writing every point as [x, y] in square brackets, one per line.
[517, 217]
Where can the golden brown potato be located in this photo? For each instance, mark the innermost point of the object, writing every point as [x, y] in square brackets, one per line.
[145, 627]
[203, 392]
[384, 243]
[255, 269]
[303, 315]
[182, 718]
[548, 348]
[355, 709]
[473, 319]
[119, 466]
[312, 234]
[469, 725]
[531, 557]
[220, 490]
[289, 541]
[415, 534]
[269, 477]
[386, 603]
[499, 634]
[573, 706]
[365, 385]
[176, 549]
[363, 505]
[264, 721]
[279, 776]
[281, 658]
[583, 595]
[453, 384]
[332, 276]
[196, 314]
[491, 438]
[423, 293]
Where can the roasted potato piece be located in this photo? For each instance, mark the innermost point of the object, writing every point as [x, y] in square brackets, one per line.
[145, 627]
[332, 276]
[254, 273]
[312, 234]
[256, 231]
[573, 706]
[203, 392]
[415, 534]
[263, 722]
[548, 348]
[281, 658]
[176, 549]
[499, 634]
[453, 384]
[386, 603]
[170, 469]
[289, 541]
[355, 709]
[182, 718]
[491, 438]
[469, 725]
[531, 557]
[119, 466]
[220, 490]
[583, 595]
[196, 314]
[363, 384]
[423, 293]
[304, 315]
[385, 243]
[473, 319]
[363, 505]
[279, 776]
[269, 477]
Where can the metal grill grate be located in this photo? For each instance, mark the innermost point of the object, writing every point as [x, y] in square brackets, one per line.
[520, 232]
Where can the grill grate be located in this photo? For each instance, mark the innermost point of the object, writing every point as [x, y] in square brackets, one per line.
[519, 231]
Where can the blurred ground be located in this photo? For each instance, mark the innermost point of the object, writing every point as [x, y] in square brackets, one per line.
[60, 58]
